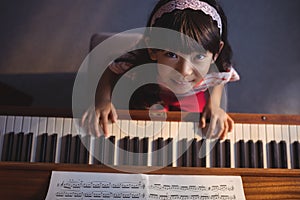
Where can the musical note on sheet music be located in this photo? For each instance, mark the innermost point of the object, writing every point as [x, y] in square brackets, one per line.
[100, 186]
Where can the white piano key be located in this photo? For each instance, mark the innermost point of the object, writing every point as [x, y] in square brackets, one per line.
[132, 129]
[293, 138]
[277, 133]
[231, 137]
[254, 132]
[50, 125]
[141, 129]
[286, 138]
[2, 131]
[59, 123]
[157, 129]
[165, 132]
[34, 128]
[26, 124]
[190, 134]
[124, 126]
[67, 126]
[197, 131]
[10, 124]
[270, 137]
[174, 126]
[157, 133]
[247, 138]
[238, 130]
[18, 124]
[42, 125]
[116, 131]
[182, 134]
[278, 137]
[149, 133]
[254, 138]
[263, 137]
[246, 132]
[298, 131]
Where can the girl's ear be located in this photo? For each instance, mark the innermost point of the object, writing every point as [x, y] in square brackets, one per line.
[152, 54]
[220, 49]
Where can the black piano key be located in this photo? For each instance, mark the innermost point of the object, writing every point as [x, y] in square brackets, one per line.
[259, 154]
[273, 153]
[202, 152]
[216, 154]
[19, 147]
[9, 147]
[77, 149]
[241, 154]
[227, 154]
[144, 150]
[251, 154]
[169, 154]
[160, 153]
[27, 147]
[282, 154]
[185, 152]
[43, 147]
[135, 151]
[296, 154]
[195, 153]
[67, 149]
[52, 152]
[84, 151]
[125, 147]
[100, 145]
[110, 143]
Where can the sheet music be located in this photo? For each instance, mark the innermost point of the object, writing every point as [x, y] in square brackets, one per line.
[100, 186]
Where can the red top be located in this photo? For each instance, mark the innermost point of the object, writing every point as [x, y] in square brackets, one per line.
[192, 103]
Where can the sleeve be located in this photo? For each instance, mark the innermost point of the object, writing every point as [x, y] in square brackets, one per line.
[217, 78]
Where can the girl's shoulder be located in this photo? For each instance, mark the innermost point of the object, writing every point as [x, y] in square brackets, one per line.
[129, 60]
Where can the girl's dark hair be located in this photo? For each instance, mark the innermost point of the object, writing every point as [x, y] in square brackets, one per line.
[206, 33]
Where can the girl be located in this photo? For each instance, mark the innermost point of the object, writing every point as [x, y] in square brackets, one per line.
[190, 72]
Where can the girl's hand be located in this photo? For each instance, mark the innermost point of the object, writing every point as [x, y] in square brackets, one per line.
[220, 122]
[95, 120]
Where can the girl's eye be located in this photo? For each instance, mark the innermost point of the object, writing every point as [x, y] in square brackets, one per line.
[199, 57]
[171, 55]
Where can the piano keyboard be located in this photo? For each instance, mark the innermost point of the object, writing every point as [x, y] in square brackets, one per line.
[149, 143]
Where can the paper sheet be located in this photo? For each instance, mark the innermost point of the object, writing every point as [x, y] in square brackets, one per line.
[99, 186]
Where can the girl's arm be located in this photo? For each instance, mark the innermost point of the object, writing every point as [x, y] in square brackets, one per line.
[104, 109]
[220, 121]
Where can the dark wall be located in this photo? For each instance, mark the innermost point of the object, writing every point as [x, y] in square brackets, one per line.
[47, 39]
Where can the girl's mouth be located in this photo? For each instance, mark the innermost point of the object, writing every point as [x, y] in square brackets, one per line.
[182, 83]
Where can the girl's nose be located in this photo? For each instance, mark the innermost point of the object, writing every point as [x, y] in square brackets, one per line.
[185, 68]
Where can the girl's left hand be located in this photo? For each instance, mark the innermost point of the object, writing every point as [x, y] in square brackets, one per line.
[220, 122]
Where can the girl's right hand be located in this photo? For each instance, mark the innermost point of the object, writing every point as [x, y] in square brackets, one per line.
[95, 120]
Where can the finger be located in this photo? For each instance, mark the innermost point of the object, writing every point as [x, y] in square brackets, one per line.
[83, 118]
[96, 125]
[212, 128]
[202, 122]
[104, 124]
[230, 123]
[225, 131]
[114, 115]
[220, 130]
[89, 122]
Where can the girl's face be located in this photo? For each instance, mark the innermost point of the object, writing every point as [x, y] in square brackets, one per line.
[181, 72]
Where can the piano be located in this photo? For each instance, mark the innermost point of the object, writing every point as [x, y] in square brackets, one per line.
[263, 149]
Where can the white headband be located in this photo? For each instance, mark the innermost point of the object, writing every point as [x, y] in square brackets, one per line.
[192, 4]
